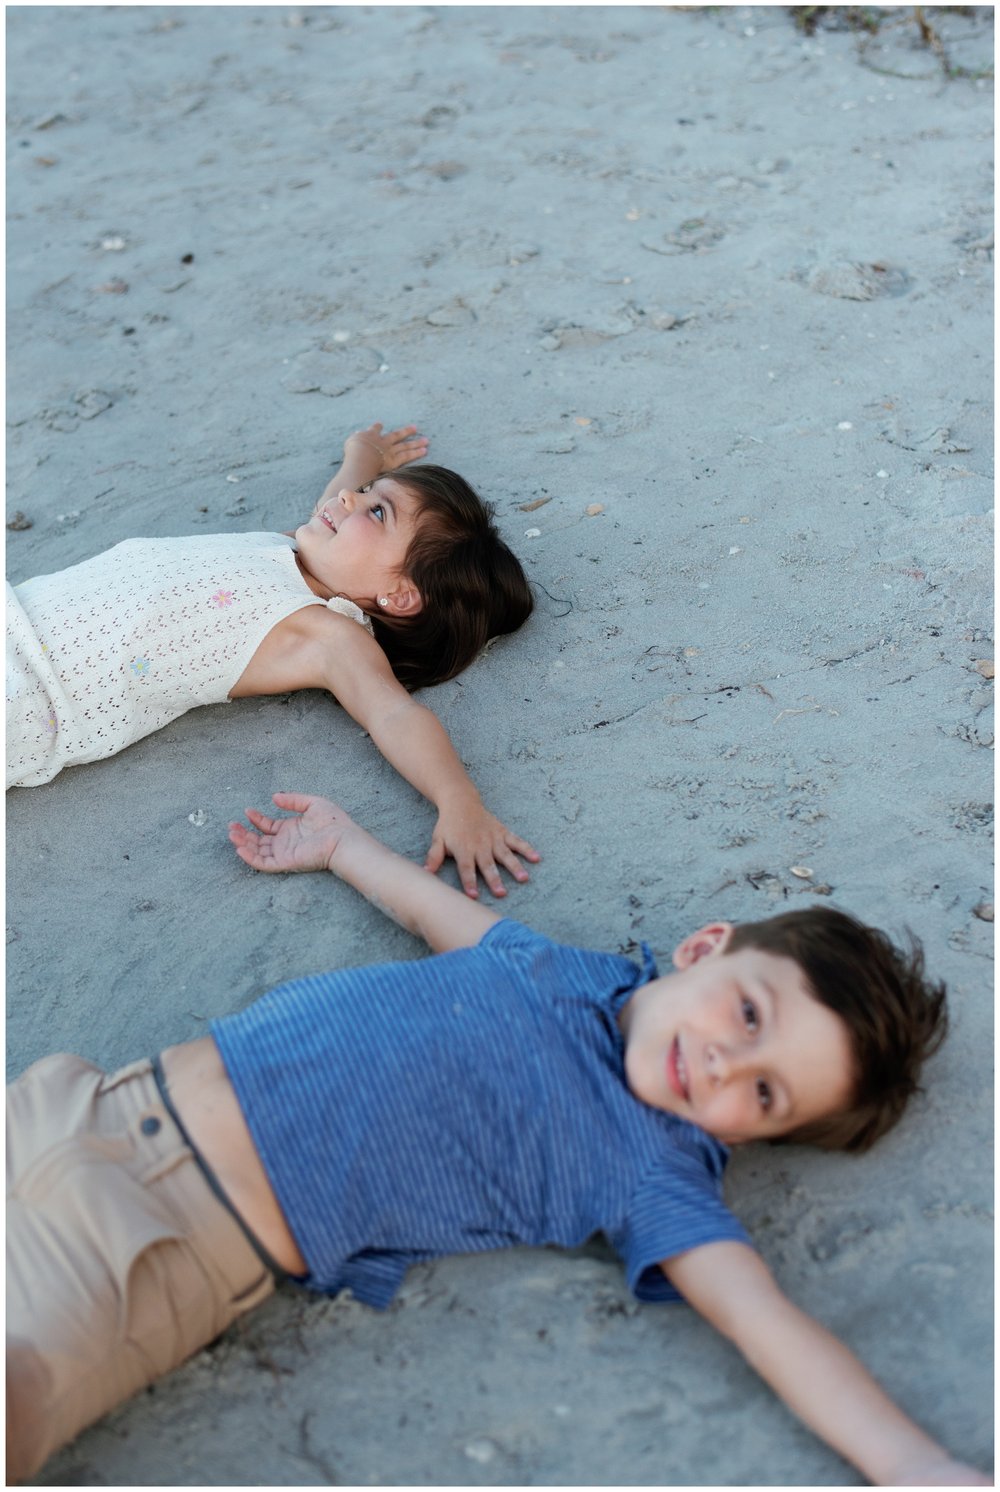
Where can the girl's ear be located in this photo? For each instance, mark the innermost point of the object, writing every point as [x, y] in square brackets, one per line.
[707, 940]
[404, 601]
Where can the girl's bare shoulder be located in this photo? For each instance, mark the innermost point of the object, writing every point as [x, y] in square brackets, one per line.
[299, 652]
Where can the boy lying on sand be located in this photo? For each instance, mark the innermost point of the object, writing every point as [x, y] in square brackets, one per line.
[511, 1091]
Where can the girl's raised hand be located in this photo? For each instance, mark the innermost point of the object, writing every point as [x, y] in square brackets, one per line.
[394, 448]
[305, 842]
[478, 843]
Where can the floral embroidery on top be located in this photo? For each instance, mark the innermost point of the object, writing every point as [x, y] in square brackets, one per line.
[52, 725]
[140, 666]
[223, 598]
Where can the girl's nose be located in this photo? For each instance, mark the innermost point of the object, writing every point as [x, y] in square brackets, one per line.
[347, 499]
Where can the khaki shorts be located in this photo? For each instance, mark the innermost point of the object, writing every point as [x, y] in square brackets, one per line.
[120, 1260]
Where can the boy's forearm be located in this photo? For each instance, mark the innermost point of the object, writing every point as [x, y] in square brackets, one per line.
[417, 900]
[818, 1378]
[834, 1394]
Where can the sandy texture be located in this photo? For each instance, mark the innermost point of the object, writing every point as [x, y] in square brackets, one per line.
[731, 284]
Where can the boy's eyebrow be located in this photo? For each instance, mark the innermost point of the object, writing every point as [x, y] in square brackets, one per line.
[775, 1002]
[759, 985]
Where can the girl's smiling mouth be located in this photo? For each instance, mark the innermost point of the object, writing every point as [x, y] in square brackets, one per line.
[324, 517]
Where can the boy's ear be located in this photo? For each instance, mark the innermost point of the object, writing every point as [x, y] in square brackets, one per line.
[404, 601]
[707, 940]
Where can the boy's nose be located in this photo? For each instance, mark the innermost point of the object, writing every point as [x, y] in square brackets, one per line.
[722, 1063]
[715, 1062]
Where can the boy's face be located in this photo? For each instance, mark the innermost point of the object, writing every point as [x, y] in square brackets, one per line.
[735, 1042]
[355, 545]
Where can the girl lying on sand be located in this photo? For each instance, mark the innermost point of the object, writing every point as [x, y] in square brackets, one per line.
[393, 583]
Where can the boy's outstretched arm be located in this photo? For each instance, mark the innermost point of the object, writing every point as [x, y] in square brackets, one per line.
[815, 1374]
[321, 836]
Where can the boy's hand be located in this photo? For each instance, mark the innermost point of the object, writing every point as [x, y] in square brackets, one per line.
[478, 842]
[321, 836]
[392, 448]
[306, 842]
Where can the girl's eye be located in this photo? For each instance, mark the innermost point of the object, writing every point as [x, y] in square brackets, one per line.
[378, 511]
[764, 1096]
[750, 1019]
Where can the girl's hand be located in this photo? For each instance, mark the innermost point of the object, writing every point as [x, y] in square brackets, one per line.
[305, 842]
[385, 450]
[477, 842]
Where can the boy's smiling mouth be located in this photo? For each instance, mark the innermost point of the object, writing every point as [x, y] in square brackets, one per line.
[677, 1071]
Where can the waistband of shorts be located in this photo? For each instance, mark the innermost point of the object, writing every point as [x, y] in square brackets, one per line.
[214, 1184]
[163, 1156]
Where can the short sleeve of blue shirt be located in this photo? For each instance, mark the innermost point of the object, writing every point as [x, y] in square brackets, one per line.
[676, 1208]
[677, 1205]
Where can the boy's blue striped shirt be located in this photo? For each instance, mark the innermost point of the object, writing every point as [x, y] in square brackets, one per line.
[464, 1102]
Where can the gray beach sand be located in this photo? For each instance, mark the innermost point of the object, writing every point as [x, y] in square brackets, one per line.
[703, 304]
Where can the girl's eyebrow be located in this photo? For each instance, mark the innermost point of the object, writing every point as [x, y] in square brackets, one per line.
[386, 500]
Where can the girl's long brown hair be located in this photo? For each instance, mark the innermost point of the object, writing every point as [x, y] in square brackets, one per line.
[472, 586]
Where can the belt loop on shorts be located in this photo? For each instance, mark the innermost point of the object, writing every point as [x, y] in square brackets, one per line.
[214, 1184]
[112, 1080]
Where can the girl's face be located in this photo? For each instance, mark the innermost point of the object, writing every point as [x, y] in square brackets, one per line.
[354, 545]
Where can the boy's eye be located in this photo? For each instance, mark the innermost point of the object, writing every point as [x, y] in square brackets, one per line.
[750, 1018]
[764, 1096]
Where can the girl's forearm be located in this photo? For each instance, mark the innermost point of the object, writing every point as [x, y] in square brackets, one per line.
[353, 474]
[413, 739]
[362, 463]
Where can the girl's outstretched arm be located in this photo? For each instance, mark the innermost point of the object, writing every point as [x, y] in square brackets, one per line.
[321, 836]
[412, 738]
[315, 649]
[370, 452]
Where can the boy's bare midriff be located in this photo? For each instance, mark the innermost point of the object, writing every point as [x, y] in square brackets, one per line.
[206, 1102]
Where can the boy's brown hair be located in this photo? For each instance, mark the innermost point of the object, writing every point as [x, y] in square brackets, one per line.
[896, 1017]
[471, 585]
